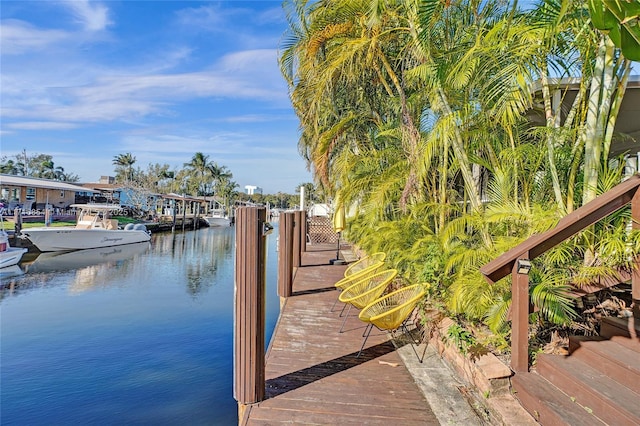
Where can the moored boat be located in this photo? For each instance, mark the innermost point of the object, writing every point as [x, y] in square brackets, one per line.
[94, 229]
[9, 256]
[217, 218]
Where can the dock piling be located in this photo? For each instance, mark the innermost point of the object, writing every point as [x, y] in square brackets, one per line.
[249, 312]
[285, 255]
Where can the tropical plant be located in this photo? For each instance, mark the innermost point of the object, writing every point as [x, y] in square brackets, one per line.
[421, 115]
[620, 21]
[199, 170]
[124, 166]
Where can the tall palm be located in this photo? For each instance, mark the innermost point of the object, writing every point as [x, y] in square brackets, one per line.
[200, 169]
[50, 171]
[126, 161]
[9, 167]
[171, 176]
[345, 63]
[219, 174]
[226, 189]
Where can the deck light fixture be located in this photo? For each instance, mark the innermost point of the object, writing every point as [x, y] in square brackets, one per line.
[524, 266]
[267, 229]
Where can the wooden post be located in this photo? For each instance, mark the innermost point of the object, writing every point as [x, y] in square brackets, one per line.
[17, 220]
[285, 255]
[249, 312]
[519, 318]
[635, 277]
[303, 230]
[297, 249]
[184, 213]
[175, 206]
[196, 210]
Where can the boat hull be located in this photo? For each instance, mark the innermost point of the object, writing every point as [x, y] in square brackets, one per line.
[217, 221]
[65, 239]
[11, 256]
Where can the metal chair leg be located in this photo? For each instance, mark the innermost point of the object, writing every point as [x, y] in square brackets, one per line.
[368, 331]
[334, 304]
[345, 319]
[413, 341]
[344, 306]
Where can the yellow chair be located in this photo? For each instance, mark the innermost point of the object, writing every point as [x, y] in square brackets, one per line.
[355, 277]
[391, 312]
[366, 290]
[364, 263]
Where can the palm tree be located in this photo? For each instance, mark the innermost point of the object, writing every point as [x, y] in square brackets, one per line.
[226, 189]
[349, 88]
[169, 174]
[415, 112]
[49, 171]
[200, 170]
[126, 161]
[219, 176]
[9, 167]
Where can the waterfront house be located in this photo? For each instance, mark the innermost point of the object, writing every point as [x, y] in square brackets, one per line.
[34, 194]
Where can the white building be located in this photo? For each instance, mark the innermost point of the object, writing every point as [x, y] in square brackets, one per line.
[251, 189]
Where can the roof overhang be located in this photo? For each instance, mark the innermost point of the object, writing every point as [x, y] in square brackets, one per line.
[20, 181]
[627, 129]
[178, 197]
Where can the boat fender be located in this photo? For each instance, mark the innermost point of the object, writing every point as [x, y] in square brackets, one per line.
[128, 227]
[139, 227]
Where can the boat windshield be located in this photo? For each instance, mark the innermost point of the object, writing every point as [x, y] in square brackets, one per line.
[96, 218]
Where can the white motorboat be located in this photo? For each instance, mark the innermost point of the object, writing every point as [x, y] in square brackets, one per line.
[94, 229]
[217, 217]
[9, 256]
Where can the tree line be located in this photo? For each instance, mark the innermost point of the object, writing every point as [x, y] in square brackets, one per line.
[37, 165]
[201, 176]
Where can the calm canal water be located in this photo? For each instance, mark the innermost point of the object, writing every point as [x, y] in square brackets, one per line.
[139, 334]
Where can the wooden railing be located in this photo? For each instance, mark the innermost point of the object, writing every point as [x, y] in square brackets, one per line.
[609, 202]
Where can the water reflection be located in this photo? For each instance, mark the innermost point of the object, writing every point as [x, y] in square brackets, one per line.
[139, 336]
[98, 258]
[10, 271]
[201, 256]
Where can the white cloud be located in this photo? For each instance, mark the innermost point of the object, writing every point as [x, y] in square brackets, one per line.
[108, 95]
[91, 15]
[41, 125]
[272, 15]
[17, 37]
[208, 18]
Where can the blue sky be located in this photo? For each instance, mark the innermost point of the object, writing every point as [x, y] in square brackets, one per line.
[84, 81]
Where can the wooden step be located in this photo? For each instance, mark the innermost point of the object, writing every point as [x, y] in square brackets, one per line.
[626, 327]
[617, 361]
[548, 404]
[608, 400]
[633, 344]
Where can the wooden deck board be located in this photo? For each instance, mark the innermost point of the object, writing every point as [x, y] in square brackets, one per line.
[313, 374]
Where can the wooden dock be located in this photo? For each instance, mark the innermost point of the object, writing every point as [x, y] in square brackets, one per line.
[312, 373]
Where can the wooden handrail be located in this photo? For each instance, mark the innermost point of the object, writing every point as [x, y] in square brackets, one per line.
[574, 222]
[604, 205]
